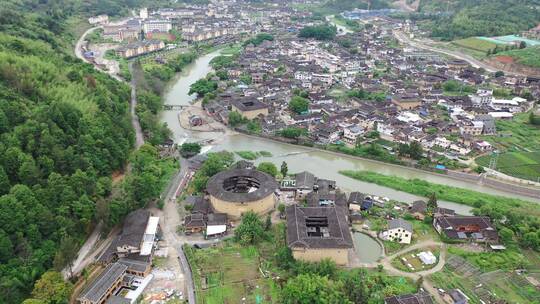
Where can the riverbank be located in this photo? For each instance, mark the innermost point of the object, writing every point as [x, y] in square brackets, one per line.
[455, 175]
[449, 193]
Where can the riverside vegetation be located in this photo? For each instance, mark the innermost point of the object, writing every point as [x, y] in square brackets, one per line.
[519, 219]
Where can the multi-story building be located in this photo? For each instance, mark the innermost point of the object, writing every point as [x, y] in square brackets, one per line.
[101, 19]
[140, 48]
[483, 97]
[473, 128]
[157, 25]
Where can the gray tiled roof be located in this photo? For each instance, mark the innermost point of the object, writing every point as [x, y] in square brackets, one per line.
[266, 185]
[95, 291]
[339, 235]
[400, 223]
[305, 180]
[117, 300]
[134, 227]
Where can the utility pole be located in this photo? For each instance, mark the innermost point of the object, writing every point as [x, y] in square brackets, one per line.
[493, 160]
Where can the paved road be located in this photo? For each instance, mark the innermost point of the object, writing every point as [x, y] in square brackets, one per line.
[78, 45]
[171, 221]
[459, 55]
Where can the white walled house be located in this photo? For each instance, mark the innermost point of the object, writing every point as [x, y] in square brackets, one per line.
[399, 230]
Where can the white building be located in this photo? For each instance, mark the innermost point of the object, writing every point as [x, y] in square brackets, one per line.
[157, 25]
[302, 75]
[399, 230]
[482, 97]
[351, 134]
[101, 19]
[427, 257]
[408, 117]
[143, 13]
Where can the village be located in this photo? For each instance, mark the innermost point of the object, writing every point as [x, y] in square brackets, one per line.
[365, 93]
[323, 224]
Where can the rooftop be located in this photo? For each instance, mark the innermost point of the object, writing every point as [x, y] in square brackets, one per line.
[249, 104]
[98, 288]
[241, 185]
[318, 227]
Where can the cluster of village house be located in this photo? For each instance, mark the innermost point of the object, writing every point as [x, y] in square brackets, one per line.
[319, 216]
[413, 107]
[127, 262]
[216, 22]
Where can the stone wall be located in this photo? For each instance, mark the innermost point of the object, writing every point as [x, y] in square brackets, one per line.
[235, 210]
[339, 255]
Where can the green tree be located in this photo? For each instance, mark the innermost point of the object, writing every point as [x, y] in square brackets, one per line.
[66, 254]
[268, 223]
[499, 74]
[281, 208]
[6, 247]
[268, 167]
[313, 289]
[284, 169]
[432, 203]
[52, 289]
[235, 119]
[534, 119]
[357, 290]
[251, 229]
[260, 38]
[202, 87]
[415, 150]
[507, 235]
[292, 132]
[190, 149]
[298, 104]
[319, 32]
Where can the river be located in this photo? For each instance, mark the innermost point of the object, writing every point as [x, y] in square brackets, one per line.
[321, 163]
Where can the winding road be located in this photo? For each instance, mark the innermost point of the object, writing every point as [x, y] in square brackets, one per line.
[88, 252]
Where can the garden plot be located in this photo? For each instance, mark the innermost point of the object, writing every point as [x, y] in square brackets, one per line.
[412, 261]
[228, 274]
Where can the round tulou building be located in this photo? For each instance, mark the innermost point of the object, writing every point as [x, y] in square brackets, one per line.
[237, 191]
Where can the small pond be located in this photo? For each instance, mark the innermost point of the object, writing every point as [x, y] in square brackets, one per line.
[366, 248]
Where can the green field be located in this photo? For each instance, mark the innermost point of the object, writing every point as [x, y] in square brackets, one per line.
[476, 44]
[228, 273]
[529, 56]
[524, 165]
[519, 144]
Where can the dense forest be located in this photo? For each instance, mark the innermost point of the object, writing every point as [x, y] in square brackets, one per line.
[64, 130]
[466, 18]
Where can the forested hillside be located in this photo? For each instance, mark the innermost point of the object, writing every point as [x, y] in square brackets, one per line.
[465, 18]
[64, 128]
